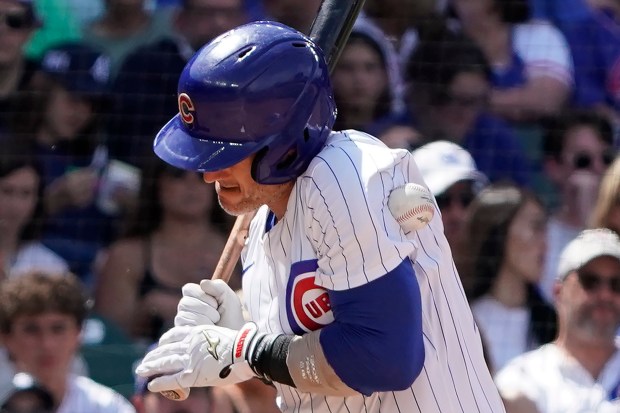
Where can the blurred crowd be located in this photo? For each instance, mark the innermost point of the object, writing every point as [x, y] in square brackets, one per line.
[511, 109]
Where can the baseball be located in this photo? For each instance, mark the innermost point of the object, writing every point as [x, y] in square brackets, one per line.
[412, 206]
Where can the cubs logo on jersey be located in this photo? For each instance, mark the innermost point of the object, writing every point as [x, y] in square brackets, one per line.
[307, 304]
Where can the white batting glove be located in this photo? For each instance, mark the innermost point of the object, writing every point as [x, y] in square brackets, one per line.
[228, 304]
[196, 308]
[200, 356]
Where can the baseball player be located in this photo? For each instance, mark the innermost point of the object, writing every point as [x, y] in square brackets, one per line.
[350, 314]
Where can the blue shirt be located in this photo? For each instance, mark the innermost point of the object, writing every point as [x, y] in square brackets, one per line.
[595, 44]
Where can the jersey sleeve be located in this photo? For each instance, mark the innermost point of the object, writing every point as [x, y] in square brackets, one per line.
[356, 238]
[544, 50]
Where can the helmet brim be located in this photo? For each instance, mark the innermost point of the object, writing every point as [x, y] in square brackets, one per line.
[176, 147]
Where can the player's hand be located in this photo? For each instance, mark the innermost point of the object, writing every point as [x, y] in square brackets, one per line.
[228, 304]
[196, 307]
[211, 302]
[200, 356]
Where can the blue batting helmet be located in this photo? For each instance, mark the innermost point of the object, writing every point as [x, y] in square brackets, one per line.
[260, 88]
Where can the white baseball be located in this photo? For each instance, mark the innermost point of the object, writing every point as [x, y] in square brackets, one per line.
[412, 206]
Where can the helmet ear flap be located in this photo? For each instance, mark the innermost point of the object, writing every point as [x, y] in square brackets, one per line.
[258, 158]
[286, 160]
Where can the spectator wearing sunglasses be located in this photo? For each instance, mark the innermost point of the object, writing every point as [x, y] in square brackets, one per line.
[18, 22]
[578, 147]
[452, 176]
[500, 260]
[580, 370]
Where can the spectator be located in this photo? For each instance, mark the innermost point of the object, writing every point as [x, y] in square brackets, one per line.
[448, 87]
[298, 14]
[19, 22]
[404, 22]
[500, 261]
[24, 395]
[578, 150]
[171, 240]
[21, 216]
[595, 43]
[451, 174]
[531, 63]
[606, 213]
[580, 370]
[124, 26]
[146, 86]
[59, 120]
[366, 80]
[41, 315]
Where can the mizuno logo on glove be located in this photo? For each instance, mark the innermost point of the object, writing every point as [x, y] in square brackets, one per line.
[212, 344]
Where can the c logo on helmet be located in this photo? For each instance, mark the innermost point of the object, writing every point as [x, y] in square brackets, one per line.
[186, 109]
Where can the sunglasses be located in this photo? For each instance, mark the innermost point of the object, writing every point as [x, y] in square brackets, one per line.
[17, 20]
[593, 282]
[445, 201]
[586, 160]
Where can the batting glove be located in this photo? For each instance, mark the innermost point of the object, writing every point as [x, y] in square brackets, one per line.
[196, 308]
[228, 304]
[200, 356]
[211, 302]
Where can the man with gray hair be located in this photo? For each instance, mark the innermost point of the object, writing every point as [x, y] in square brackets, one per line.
[580, 370]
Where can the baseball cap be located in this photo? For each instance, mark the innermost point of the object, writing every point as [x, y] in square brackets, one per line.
[25, 383]
[78, 67]
[588, 245]
[444, 163]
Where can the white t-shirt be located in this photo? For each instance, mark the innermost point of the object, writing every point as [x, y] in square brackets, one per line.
[86, 395]
[557, 383]
[36, 256]
[504, 329]
[544, 51]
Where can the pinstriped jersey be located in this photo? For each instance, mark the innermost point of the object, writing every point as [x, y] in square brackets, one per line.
[338, 233]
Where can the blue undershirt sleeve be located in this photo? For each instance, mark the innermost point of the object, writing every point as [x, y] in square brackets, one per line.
[375, 343]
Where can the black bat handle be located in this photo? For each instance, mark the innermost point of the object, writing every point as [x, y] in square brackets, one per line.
[332, 26]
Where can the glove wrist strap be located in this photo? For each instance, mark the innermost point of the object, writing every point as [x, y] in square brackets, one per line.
[265, 353]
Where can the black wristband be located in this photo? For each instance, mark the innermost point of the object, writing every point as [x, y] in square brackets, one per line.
[268, 359]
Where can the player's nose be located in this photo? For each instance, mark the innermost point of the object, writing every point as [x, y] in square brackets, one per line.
[210, 177]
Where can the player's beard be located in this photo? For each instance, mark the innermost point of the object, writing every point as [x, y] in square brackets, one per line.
[258, 196]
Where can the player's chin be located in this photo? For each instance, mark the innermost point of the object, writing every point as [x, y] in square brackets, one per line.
[237, 208]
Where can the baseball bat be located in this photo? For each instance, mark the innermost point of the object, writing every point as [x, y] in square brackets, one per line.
[329, 31]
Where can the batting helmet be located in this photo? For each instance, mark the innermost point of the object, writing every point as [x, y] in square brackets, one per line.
[260, 88]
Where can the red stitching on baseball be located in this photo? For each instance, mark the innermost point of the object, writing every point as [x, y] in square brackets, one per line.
[415, 211]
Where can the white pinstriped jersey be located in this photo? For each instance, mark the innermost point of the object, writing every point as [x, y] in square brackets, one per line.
[337, 234]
